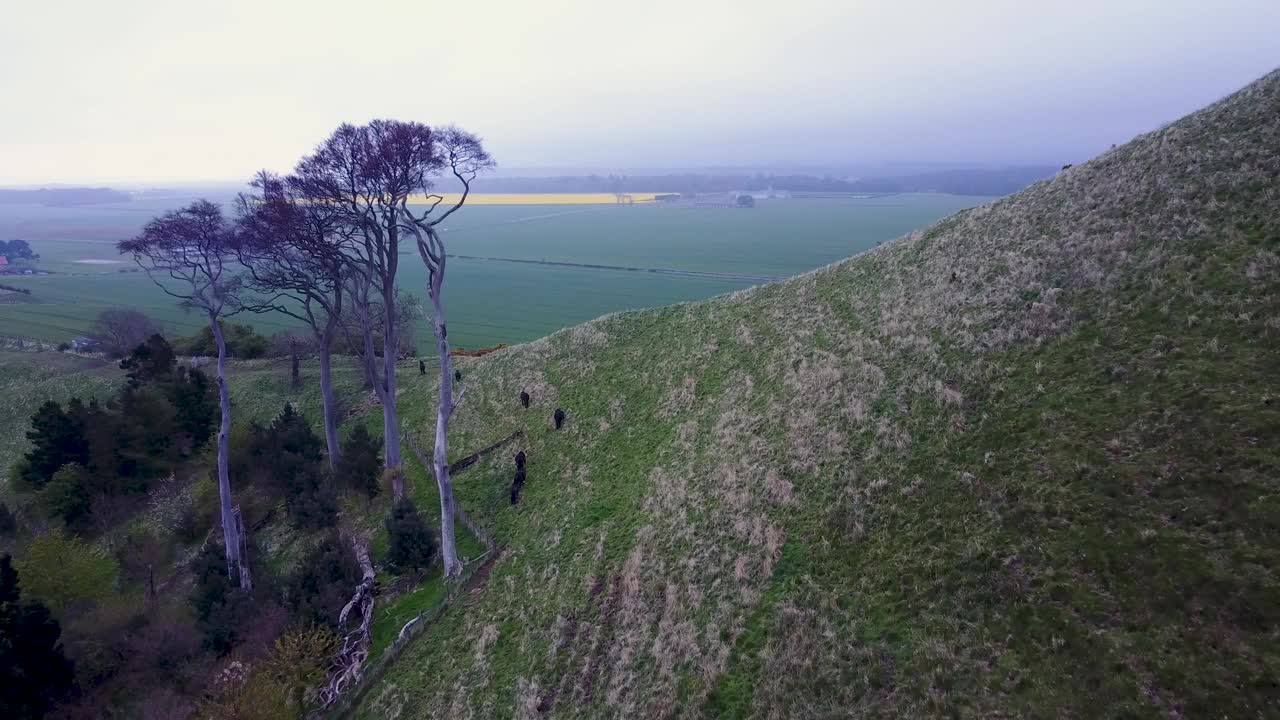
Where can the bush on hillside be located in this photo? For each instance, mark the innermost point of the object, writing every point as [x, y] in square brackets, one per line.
[34, 673]
[243, 342]
[66, 496]
[195, 401]
[323, 582]
[222, 608]
[300, 660]
[412, 542]
[66, 573]
[57, 438]
[140, 555]
[110, 455]
[360, 466]
[256, 696]
[8, 521]
[149, 361]
[188, 390]
[286, 459]
[117, 450]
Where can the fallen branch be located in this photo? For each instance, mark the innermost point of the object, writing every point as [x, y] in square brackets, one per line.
[473, 458]
[406, 627]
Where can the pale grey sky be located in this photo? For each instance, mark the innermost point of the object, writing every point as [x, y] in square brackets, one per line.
[167, 90]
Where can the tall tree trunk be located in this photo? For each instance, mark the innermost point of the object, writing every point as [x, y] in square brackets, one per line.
[246, 582]
[230, 532]
[440, 459]
[390, 430]
[390, 419]
[369, 358]
[328, 405]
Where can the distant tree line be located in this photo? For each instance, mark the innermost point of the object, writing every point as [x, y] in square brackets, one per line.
[18, 251]
[62, 196]
[959, 182]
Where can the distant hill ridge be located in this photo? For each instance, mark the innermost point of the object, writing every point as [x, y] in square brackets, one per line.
[62, 196]
[1024, 463]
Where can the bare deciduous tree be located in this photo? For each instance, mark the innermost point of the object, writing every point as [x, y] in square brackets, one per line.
[365, 175]
[363, 320]
[118, 331]
[293, 344]
[293, 253]
[192, 248]
[465, 157]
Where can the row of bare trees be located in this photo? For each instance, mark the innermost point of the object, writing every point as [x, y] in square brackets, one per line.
[322, 244]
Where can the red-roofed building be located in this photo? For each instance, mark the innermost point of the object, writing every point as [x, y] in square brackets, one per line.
[4, 261]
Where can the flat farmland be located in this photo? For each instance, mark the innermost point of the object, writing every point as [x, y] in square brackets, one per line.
[777, 237]
[519, 272]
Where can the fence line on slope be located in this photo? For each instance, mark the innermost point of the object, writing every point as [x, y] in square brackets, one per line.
[345, 705]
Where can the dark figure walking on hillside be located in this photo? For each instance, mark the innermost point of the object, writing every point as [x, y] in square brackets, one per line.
[457, 376]
[524, 399]
[520, 460]
[422, 367]
[516, 485]
[559, 418]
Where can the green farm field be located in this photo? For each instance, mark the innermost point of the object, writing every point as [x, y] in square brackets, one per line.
[492, 299]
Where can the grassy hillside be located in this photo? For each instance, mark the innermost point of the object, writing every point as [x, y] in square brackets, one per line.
[1023, 463]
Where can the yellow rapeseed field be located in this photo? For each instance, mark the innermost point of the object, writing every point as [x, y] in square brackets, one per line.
[541, 198]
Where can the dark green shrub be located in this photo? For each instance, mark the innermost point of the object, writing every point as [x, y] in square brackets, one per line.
[323, 582]
[242, 342]
[286, 458]
[150, 361]
[57, 438]
[34, 673]
[412, 542]
[67, 496]
[360, 466]
[222, 608]
[8, 521]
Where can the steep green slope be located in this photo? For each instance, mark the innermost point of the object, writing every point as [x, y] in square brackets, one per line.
[1023, 463]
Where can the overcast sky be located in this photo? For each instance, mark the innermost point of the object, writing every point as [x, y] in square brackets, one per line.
[167, 90]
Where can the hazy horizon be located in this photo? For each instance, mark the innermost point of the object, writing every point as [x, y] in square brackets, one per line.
[876, 170]
[149, 92]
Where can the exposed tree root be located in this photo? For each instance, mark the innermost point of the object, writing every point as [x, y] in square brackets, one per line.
[349, 663]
